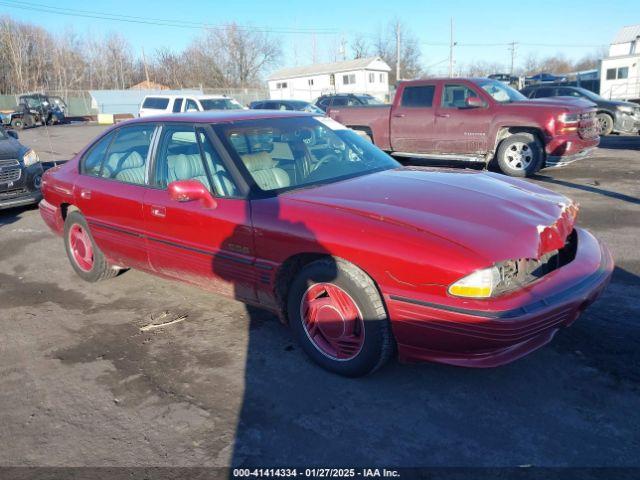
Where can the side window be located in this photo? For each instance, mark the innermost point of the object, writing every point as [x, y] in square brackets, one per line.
[567, 92]
[611, 73]
[420, 96]
[544, 92]
[179, 158]
[455, 96]
[126, 159]
[157, 103]
[92, 161]
[223, 184]
[191, 106]
[339, 102]
[177, 105]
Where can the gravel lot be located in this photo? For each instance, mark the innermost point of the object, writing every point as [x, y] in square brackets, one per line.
[81, 385]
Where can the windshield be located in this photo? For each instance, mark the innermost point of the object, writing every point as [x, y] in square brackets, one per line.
[589, 94]
[287, 153]
[500, 92]
[220, 104]
[369, 100]
[306, 107]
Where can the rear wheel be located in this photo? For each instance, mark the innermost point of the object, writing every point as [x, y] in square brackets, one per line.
[85, 256]
[17, 123]
[520, 155]
[338, 317]
[604, 123]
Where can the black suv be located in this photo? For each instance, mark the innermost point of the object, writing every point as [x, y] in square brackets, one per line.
[20, 172]
[346, 100]
[613, 115]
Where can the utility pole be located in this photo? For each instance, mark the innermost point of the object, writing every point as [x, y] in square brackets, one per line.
[343, 48]
[512, 47]
[451, 45]
[398, 51]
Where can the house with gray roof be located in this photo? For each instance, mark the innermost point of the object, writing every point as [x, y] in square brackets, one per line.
[363, 75]
[620, 70]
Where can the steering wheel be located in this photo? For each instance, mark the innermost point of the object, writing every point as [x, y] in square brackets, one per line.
[329, 157]
[307, 135]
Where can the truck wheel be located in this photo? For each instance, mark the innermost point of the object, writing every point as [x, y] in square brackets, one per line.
[337, 316]
[85, 256]
[17, 123]
[604, 123]
[519, 155]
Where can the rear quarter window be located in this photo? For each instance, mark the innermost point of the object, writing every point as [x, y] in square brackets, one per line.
[156, 103]
[419, 96]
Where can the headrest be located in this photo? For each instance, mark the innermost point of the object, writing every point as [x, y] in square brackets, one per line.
[133, 160]
[185, 166]
[258, 161]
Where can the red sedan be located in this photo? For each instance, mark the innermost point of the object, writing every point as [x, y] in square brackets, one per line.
[359, 255]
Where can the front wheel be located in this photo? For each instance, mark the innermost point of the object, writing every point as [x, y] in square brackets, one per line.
[604, 123]
[520, 155]
[17, 123]
[338, 317]
[85, 256]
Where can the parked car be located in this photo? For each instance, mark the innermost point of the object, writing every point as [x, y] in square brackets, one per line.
[162, 104]
[297, 214]
[611, 115]
[20, 172]
[325, 102]
[477, 120]
[298, 105]
[35, 109]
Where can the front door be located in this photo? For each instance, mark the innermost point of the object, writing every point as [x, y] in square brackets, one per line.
[111, 194]
[211, 247]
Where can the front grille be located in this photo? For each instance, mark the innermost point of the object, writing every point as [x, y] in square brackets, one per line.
[8, 175]
[587, 127]
[11, 162]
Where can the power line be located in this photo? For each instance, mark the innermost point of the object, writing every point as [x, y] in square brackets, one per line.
[155, 21]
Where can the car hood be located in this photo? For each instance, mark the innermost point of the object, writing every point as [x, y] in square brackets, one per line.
[11, 148]
[496, 217]
[565, 102]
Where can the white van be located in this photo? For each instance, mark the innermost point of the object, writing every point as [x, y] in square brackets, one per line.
[163, 104]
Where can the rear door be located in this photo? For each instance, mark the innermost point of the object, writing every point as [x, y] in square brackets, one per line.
[212, 247]
[460, 129]
[111, 193]
[177, 105]
[412, 119]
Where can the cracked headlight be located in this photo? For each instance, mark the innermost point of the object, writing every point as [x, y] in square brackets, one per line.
[30, 158]
[625, 109]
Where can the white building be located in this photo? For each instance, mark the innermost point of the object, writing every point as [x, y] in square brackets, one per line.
[363, 75]
[620, 71]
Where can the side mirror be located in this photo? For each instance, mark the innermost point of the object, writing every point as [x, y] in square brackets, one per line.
[474, 102]
[191, 191]
[12, 133]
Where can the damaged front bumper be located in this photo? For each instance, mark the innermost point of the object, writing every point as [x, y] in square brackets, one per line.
[493, 332]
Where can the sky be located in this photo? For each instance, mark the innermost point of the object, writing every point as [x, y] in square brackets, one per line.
[482, 29]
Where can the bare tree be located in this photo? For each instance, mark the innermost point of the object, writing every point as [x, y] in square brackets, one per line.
[384, 46]
[359, 47]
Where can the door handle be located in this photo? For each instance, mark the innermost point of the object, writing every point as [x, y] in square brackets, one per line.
[86, 194]
[399, 115]
[443, 115]
[159, 212]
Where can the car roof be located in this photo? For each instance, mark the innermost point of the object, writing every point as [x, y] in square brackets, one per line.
[220, 116]
[198, 96]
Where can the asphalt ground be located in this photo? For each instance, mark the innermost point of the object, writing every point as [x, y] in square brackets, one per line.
[82, 385]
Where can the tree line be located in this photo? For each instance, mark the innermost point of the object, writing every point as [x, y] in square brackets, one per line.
[34, 59]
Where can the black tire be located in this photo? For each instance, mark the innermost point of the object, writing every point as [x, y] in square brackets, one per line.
[17, 123]
[604, 121]
[101, 269]
[520, 155]
[378, 345]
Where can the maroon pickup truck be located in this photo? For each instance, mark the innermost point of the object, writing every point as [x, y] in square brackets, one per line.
[480, 120]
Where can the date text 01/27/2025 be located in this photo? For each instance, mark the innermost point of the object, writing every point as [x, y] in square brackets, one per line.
[314, 472]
